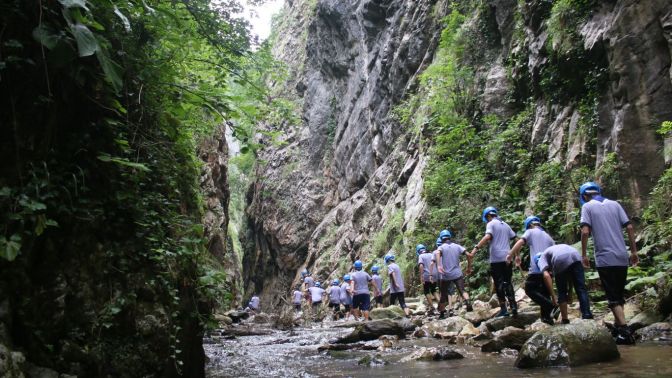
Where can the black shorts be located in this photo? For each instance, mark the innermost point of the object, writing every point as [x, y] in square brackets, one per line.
[379, 300]
[335, 306]
[361, 301]
[447, 287]
[613, 282]
[347, 307]
[316, 305]
[297, 306]
[398, 297]
[429, 287]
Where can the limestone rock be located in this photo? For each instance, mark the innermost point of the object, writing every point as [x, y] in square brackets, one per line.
[644, 319]
[661, 331]
[520, 321]
[509, 337]
[579, 343]
[453, 324]
[372, 330]
[433, 354]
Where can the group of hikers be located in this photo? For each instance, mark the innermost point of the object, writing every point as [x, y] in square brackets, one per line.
[601, 218]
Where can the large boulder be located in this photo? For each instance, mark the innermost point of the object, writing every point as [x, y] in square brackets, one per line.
[579, 343]
[433, 354]
[478, 316]
[390, 312]
[261, 318]
[661, 331]
[629, 310]
[454, 324]
[237, 315]
[372, 330]
[509, 338]
[521, 320]
[645, 319]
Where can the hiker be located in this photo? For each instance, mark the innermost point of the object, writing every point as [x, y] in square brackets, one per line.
[346, 296]
[335, 298]
[359, 286]
[296, 298]
[604, 219]
[316, 296]
[396, 283]
[565, 263]
[428, 275]
[307, 283]
[447, 258]
[498, 234]
[377, 286]
[538, 240]
[452, 298]
[254, 304]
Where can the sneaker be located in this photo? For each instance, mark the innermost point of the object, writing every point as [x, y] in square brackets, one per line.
[469, 307]
[589, 316]
[514, 311]
[565, 321]
[451, 312]
[624, 336]
[555, 312]
[502, 314]
[442, 315]
[548, 321]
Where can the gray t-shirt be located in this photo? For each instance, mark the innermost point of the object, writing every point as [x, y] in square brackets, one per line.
[606, 220]
[309, 280]
[538, 240]
[378, 282]
[361, 280]
[335, 294]
[297, 295]
[558, 257]
[449, 256]
[254, 303]
[393, 269]
[426, 260]
[316, 294]
[345, 295]
[501, 235]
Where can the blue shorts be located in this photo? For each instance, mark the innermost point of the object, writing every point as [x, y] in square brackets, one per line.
[361, 301]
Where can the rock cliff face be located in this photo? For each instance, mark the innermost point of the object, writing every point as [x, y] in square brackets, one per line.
[328, 188]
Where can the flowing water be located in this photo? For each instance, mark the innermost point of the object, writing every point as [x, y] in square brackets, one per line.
[294, 354]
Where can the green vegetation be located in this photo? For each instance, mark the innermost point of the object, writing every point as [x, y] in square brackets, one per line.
[102, 252]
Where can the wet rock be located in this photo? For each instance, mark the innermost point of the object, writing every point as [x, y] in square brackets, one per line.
[582, 342]
[237, 315]
[645, 319]
[11, 363]
[508, 353]
[223, 319]
[421, 333]
[494, 302]
[478, 304]
[478, 316]
[338, 347]
[433, 354]
[245, 331]
[372, 330]
[661, 331]
[408, 325]
[452, 324]
[261, 318]
[538, 326]
[520, 321]
[469, 331]
[509, 337]
[376, 360]
[390, 312]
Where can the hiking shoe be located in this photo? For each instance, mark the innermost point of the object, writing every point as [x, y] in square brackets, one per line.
[555, 312]
[565, 321]
[589, 316]
[502, 314]
[451, 312]
[624, 336]
[469, 307]
[442, 315]
[548, 321]
[514, 311]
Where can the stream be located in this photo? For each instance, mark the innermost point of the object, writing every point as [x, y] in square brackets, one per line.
[294, 354]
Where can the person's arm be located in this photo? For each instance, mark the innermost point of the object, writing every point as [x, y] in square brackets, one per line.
[515, 250]
[393, 283]
[437, 258]
[634, 259]
[432, 266]
[548, 281]
[484, 241]
[421, 268]
[585, 234]
[351, 289]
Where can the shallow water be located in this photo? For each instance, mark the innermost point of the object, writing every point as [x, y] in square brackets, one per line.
[294, 354]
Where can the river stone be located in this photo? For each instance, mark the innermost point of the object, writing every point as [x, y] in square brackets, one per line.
[538, 326]
[237, 315]
[630, 310]
[372, 330]
[478, 304]
[420, 333]
[223, 319]
[509, 337]
[469, 330]
[390, 312]
[478, 316]
[433, 354]
[661, 331]
[579, 343]
[452, 324]
[369, 360]
[645, 319]
[261, 318]
[494, 301]
[519, 321]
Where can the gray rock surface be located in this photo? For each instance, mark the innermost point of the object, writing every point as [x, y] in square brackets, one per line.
[579, 343]
[661, 331]
[520, 321]
[391, 312]
[372, 330]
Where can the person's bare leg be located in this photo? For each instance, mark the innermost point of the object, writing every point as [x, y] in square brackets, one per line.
[366, 315]
[563, 311]
[619, 315]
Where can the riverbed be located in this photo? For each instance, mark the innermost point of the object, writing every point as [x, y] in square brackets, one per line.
[294, 354]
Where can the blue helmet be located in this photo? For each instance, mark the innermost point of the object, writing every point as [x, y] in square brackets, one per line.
[317, 284]
[419, 248]
[346, 278]
[445, 234]
[531, 220]
[335, 282]
[588, 188]
[305, 273]
[358, 265]
[488, 211]
[389, 257]
[438, 242]
[374, 269]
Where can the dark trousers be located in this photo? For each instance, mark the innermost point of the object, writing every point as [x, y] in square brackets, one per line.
[575, 274]
[537, 291]
[502, 274]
